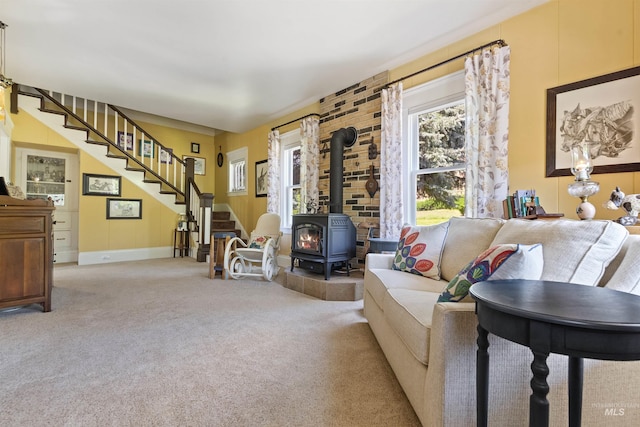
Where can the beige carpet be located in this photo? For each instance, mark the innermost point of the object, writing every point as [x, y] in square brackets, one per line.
[158, 343]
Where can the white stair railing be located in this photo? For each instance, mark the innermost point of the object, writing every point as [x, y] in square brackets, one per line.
[109, 126]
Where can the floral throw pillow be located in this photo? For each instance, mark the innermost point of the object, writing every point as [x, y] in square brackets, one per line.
[258, 242]
[508, 261]
[420, 249]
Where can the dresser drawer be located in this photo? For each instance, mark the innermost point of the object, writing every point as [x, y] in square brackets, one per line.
[22, 224]
[62, 221]
[62, 240]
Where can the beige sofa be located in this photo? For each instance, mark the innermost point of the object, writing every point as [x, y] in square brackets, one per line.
[431, 345]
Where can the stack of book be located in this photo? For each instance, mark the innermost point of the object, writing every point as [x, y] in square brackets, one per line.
[521, 204]
[525, 204]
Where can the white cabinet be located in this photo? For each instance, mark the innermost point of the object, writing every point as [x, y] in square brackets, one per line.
[52, 174]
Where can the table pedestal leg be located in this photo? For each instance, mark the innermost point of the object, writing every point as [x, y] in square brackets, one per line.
[575, 391]
[538, 403]
[482, 378]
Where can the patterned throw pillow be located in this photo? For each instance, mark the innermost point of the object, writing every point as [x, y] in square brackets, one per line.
[508, 261]
[258, 242]
[420, 249]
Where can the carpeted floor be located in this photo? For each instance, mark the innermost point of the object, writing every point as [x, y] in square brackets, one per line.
[158, 343]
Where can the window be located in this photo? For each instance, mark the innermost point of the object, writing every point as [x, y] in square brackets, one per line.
[434, 115]
[290, 178]
[237, 172]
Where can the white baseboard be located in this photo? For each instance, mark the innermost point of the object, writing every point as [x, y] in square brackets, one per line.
[104, 257]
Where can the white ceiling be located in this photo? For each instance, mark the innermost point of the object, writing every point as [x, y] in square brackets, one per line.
[227, 64]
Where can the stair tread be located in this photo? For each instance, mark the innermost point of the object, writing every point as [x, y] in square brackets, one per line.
[70, 122]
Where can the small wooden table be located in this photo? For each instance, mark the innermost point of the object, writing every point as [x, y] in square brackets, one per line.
[551, 317]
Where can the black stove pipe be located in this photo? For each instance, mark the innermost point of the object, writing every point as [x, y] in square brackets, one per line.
[344, 137]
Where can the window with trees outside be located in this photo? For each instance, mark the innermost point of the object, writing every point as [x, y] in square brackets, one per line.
[435, 131]
[289, 178]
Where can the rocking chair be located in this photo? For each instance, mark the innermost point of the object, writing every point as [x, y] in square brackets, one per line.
[259, 256]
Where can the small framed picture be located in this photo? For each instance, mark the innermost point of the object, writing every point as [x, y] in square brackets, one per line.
[195, 147]
[199, 164]
[125, 141]
[165, 155]
[146, 148]
[261, 178]
[101, 185]
[124, 208]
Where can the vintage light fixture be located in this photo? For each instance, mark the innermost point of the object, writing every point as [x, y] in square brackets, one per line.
[5, 81]
[583, 187]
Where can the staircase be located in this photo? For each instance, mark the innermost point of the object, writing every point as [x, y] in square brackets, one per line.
[106, 133]
[221, 221]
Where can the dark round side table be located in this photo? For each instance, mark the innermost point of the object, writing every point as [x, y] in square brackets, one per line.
[552, 317]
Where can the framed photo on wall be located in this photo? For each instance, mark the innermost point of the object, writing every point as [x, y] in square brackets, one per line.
[601, 112]
[165, 155]
[101, 185]
[199, 164]
[262, 168]
[146, 148]
[124, 208]
[195, 147]
[125, 141]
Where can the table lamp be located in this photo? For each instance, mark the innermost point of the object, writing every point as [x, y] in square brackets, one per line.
[583, 187]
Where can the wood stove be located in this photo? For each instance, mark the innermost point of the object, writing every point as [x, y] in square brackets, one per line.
[322, 242]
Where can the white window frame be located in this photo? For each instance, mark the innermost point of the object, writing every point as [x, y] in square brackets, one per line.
[432, 95]
[234, 158]
[288, 142]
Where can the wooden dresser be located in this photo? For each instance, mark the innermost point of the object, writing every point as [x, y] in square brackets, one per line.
[26, 252]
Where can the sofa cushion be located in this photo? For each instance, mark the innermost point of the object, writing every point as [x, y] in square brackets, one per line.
[466, 238]
[509, 261]
[574, 251]
[420, 248]
[626, 277]
[379, 280]
[409, 313]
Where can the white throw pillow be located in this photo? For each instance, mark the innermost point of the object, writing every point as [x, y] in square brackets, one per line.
[420, 249]
[574, 251]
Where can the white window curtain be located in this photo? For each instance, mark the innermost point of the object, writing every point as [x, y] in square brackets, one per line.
[273, 173]
[391, 219]
[487, 131]
[309, 163]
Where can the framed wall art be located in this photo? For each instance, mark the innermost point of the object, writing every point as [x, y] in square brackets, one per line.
[261, 178]
[124, 208]
[146, 148]
[601, 112]
[199, 167]
[125, 141]
[195, 147]
[101, 185]
[165, 155]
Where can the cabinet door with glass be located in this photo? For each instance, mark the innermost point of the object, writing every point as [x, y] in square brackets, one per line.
[50, 174]
[46, 178]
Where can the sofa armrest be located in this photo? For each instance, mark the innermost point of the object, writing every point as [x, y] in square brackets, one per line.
[379, 261]
[451, 364]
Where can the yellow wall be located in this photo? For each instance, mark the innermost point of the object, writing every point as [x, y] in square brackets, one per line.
[560, 42]
[96, 233]
[249, 208]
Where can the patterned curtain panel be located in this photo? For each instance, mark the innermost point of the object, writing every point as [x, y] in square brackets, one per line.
[487, 131]
[309, 163]
[273, 173]
[391, 220]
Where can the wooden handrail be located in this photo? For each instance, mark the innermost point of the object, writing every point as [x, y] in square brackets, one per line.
[92, 129]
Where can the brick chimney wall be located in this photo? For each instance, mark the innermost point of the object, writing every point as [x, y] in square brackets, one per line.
[358, 106]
